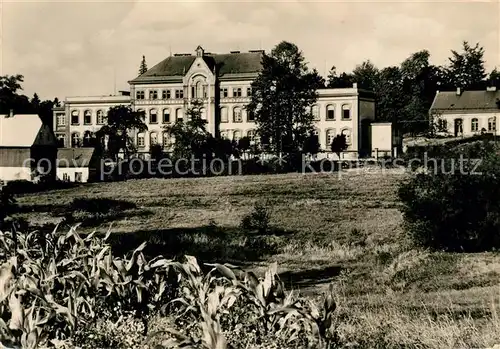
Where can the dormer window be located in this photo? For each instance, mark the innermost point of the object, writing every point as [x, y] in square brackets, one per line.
[199, 51]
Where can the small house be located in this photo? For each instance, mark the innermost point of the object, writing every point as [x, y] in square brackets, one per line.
[78, 165]
[28, 148]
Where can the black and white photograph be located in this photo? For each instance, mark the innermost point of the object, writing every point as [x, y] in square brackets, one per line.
[249, 174]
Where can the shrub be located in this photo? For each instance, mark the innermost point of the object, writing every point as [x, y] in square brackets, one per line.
[258, 219]
[450, 207]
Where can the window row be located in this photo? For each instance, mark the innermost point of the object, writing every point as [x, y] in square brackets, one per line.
[237, 134]
[330, 112]
[474, 125]
[166, 139]
[165, 94]
[331, 133]
[88, 118]
[237, 114]
[166, 116]
[88, 139]
[236, 92]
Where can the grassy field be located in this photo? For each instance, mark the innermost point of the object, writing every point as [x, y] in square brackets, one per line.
[327, 228]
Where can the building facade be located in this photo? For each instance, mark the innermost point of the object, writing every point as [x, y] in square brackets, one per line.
[221, 84]
[466, 113]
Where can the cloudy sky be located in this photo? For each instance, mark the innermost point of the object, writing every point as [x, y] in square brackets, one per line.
[71, 48]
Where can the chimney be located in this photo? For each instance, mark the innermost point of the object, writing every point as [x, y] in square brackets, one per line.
[491, 89]
[459, 91]
[355, 85]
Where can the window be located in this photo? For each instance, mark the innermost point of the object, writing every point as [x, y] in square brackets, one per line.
[87, 117]
[65, 177]
[140, 140]
[166, 116]
[165, 94]
[179, 94]
[60, 119]
[166, 139]
[347, 133]
[100, 117]
[237, 92]
[75, 117]
[236, 135]
[75, 140]
[474, 125]
[492, 124]
[153, 116]
[205, 94]
[139, 95]
[178, 114]
[442, 125]
[330, 135]
[223, 92]
[250, 116]
[78, 176]
[223, 134]
[153, 94]
[315, 112]
[237, 115]
[223, 115]
[153, 138]
[346, 111]
[330, 112]
[249, 91]
[61, 140]
[251, 134]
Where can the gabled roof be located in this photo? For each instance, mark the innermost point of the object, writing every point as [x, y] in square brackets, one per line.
[175, 67]
[21, 130]
[467, 101]
[75, 157]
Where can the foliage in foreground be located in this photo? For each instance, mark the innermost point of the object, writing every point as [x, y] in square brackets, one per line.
[65, 290]
[453, 203]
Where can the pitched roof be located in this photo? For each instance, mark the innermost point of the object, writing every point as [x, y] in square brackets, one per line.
[466, 101]
[175, 67]
[20, 130]
[75, 157]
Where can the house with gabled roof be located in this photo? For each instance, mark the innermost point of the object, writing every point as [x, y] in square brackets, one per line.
[78, 165]
[28, 148]
[466, 113]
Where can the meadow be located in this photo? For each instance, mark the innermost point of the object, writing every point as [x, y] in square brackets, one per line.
[346, 229]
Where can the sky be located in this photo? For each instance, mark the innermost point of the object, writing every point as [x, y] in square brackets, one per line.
[75, 48]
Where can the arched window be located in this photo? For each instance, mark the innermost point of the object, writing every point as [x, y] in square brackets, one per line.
[87, 117]
[346, 111]
[250, 116]
[330, 112]
[199, 89]
[315, 112]
[237, 114]
[223, 115]
[474, 125]
[140, 140]
[75, 117]
[166, 139]
[153, 138]
[330, 135]
[166, 116]
[61, 140]
[100, 117]
[251, 134]
[75, 140]
[153, 116]
[236, 135]
[179, 114]
[492, 124]
[347, 133]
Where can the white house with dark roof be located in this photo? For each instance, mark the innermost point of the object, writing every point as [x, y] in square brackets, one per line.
[222, 83]
[78, 165]
[28, 148]
[466, 113]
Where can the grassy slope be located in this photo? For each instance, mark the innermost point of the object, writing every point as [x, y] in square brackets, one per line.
[346, 229]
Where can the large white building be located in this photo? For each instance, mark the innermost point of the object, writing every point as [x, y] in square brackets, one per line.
[222, 83]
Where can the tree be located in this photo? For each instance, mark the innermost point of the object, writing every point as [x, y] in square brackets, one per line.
[144, 67]
[9, 97]
[390, 99]
[494, 78]
[344, 80]
[282, 95]
[35, 101]
[466, 69]
[311, 144]
[339, 144]
[244, 145]
[366, 75]
[191, 138]
[121, 120]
